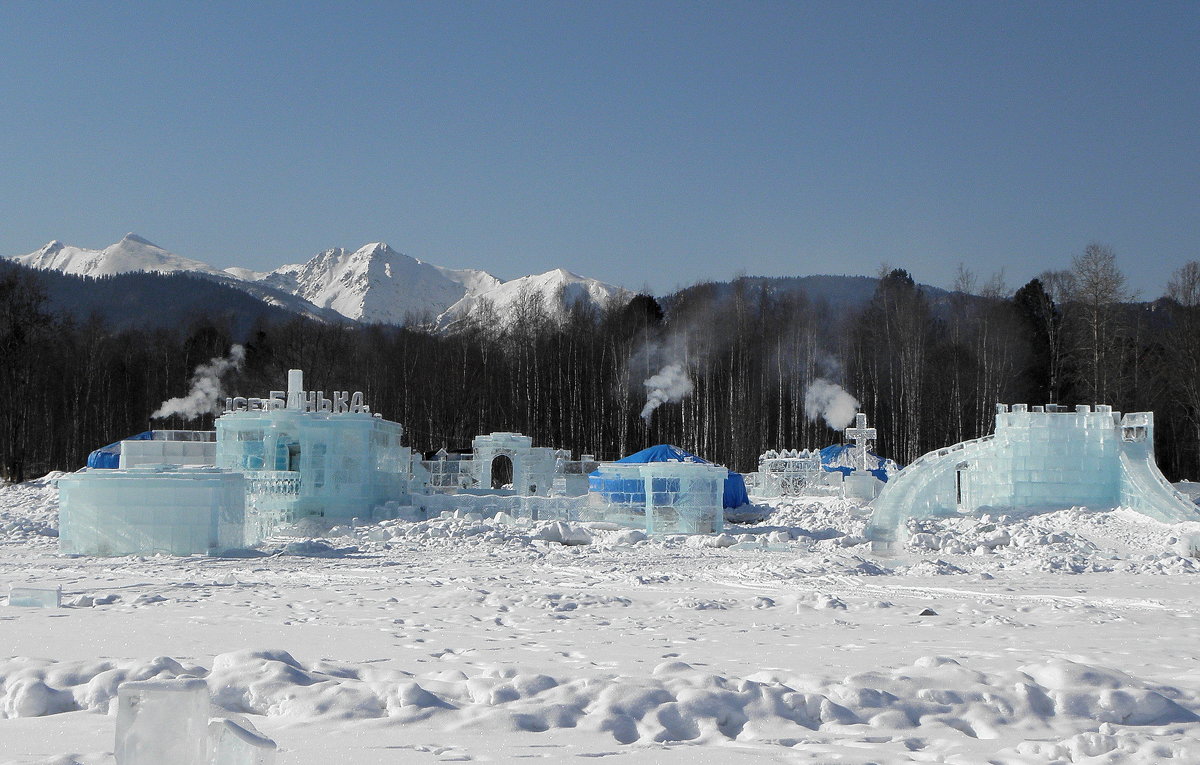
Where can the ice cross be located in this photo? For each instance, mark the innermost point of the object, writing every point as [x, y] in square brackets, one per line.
[860, 434]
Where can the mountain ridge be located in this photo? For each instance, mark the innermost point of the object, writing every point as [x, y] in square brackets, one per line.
[373, 284]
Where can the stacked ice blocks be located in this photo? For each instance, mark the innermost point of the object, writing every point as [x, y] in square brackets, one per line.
[1041, 458]
[151, 509]
[172, 451]
[662, 497]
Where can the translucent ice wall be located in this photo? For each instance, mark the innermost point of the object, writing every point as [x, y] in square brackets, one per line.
[1038, 459]
[662, 497]
[149, 510]
[174, 447]
[337, 466]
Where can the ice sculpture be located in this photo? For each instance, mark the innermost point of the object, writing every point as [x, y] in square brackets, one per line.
[1042, 458]
[162, 721]
[151, 509]
[661, 497]
[791, 473]
[33, 596]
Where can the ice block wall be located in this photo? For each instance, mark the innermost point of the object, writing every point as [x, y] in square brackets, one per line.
[1037, 459]
[151, 509]
[661, 497]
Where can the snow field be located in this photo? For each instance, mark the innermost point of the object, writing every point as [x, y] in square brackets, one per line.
[1068, 637]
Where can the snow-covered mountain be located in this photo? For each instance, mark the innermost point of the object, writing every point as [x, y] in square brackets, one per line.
[559, 290]
[132, 253]
[373, 284]
[376, 284]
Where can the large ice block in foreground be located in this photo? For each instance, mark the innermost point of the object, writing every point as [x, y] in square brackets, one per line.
[231, 744]
[151, 509]
[1038, 459]
[35, 596]
[161, 722]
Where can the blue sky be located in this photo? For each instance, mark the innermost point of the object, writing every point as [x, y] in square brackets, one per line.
[644, 143]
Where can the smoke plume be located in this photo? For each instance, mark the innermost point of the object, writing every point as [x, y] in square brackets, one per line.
[831, 402]
[205, 395]
[669, 385]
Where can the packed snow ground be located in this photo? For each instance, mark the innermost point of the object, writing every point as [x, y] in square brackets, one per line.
[1068, 637]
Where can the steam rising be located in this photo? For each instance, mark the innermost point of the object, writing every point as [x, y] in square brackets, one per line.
[831, 402]
[669, 385]
[205, 394]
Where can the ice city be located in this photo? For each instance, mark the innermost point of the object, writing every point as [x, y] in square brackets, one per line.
[297, 455]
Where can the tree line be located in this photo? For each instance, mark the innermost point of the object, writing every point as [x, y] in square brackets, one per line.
[927, 369]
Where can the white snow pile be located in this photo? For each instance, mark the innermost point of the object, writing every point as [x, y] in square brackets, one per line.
[1060, 701]
[29, 511]
[1068, 541]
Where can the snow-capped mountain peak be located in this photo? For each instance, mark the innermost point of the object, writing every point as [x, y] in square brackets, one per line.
[373, 284]
[377, 284]
[132, 253]
[558, 290]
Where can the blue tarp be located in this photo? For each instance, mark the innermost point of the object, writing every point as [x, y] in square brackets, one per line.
[735, 485]
[110, 456]
[833, 457]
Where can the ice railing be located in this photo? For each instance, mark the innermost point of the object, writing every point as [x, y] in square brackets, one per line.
[788, 473]
[929, 457]
[272, 482]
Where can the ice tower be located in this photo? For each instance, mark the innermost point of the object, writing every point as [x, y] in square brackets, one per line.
[1042, 458]
[305, 455]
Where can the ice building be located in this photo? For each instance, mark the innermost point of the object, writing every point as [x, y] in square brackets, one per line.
[673, 497]
[1039, 458]
[293, 455]
[307, 456]
[508, 464]
[733, 491]
[511, 460]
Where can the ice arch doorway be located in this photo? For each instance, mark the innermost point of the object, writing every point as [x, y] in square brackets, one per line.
[501, 471]
[531, 470]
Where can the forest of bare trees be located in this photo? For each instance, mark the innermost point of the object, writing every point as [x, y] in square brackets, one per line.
[928, 370]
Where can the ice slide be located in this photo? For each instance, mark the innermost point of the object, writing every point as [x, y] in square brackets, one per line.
[1145, 489]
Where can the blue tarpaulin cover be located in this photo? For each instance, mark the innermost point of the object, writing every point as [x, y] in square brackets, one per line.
[735, 485]
[110, 456]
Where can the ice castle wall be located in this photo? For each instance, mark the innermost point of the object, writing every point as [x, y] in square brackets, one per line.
[1041, 459]
[151, 509]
